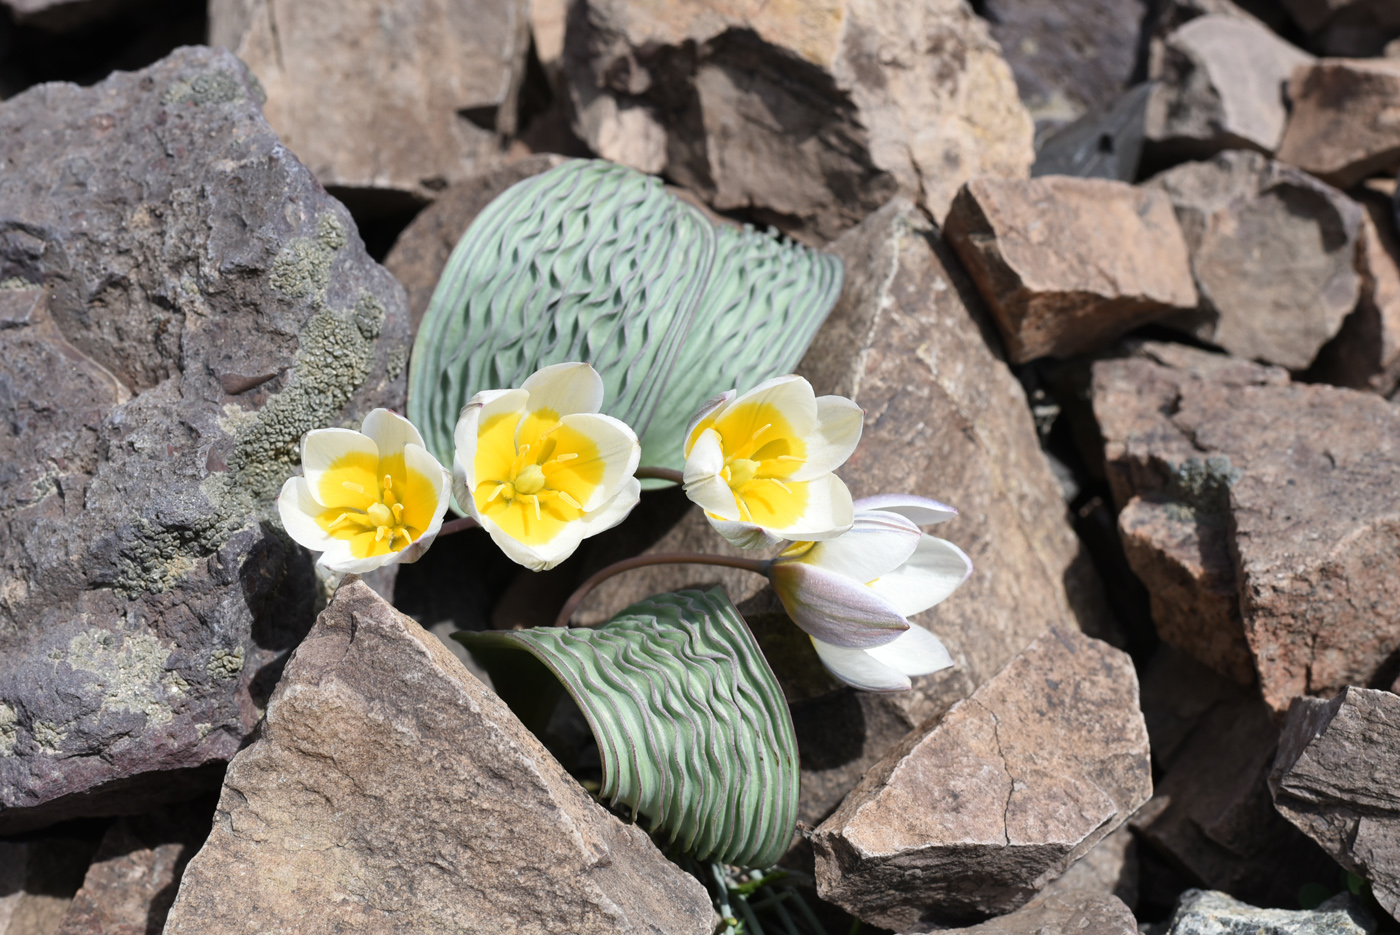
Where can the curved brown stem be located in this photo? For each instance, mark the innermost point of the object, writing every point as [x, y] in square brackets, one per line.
[660, 473]
[755, 565]
[457, 525]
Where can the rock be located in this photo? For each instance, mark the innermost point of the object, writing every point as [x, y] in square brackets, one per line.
[1309, 476]
[1104, 144]
[40, 874]
[982, 809]
[420, 254]
[945, 418]
[390, 791]
[1082, 913]
[132, 881]
[1068, 265]
[1337, 777]
[808, 115]
[388, 103]
[1182, 556]
[1313, 15]
[182, 303]
[1274, 255]
[1344, 125]
[1108, 871]
[1212, 913]
[1365, 354]
[1221, 87]
[1068, 58]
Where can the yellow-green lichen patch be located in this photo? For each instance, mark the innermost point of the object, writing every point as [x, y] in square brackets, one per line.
[369, 315]
[9, 729]
[153, 558]
[129, 670]
[225, 664]
[49, 737]
[211, 87]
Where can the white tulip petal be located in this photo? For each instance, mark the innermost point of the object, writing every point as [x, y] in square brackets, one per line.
[859, 669]
[829, 512]
[710, 406]
[338, 558]
[617, 449]
[615, 510]
[564, 389]
[837, 433]
[875, 545]
[321, 448]
[915, 652]
[466, 434]
[702, 480]
[417, 458]
[791, 395]
[743, 535]
[834, 608]
[390, 431]
[935, 570]
[536, 558]
[298, 510]
[922, 510]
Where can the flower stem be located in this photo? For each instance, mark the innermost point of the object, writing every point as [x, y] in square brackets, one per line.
[457, 525]
[660, 473]
[756, 565]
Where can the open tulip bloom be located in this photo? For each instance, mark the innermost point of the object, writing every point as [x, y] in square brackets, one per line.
[540, 469]
[761, 464]
[367, 498]
[853, 594]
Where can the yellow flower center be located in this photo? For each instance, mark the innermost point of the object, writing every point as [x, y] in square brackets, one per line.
[760, 450]
[534, 474]
[378, 505]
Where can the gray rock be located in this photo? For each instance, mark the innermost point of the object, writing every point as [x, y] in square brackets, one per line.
[179, 302]
[387, 103]
[1222, 80]
[973, 815]
[1337, 777]
[390, 791]
[1071, 913]
[812, 116]
[1201, 912]
[1274, 255]
[1103, 144]
[1109, 871]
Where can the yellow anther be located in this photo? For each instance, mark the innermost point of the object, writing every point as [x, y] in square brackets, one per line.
[781, 484]
[535, 498]
[388, 482]
[337, 521]
[398, 513]
[566, 456]
[788, 458]
[497, 492]
[351, 485]
[380, 533]
[754, 437]
[569, 500]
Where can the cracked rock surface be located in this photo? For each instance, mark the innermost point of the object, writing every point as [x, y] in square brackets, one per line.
[974, 815]
[179, 302]
[389, 791]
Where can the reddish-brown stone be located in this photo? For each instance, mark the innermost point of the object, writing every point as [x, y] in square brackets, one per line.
[1343, 126]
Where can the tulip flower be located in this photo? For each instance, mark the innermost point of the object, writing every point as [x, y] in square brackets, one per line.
[761, 464]
[540, 469]
[367, 498]
[853, 594]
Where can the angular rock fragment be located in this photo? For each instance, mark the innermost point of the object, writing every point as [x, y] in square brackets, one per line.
[390, 791]
[1103, 144]
[1109, 871]
[40, 874]
[1337, 777]
[384, 102]
[1014, 784]
[1081, 913]
[811, 115]
[1068, 58]
[1309, 476]
[419, 255]
[1202, 912]
[1273, 251]
[1222, 82]
[1344, 125]
[1067, 265]
[182, 303]
[945, 418]
[136, 871]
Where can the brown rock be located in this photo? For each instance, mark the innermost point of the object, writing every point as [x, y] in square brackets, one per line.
[40, 874]
[1071, 913]
[1108, 871]
[389, 791]
[1345, 124]
[975, 815]
[419, 255]
[1181, 554]
[912, 97]
[1310, 479]
[945, 418]
[1365, 354]
[1067, 265]
[387, 102]
[1222, 78]
[1337, 777]
[136, 871]
[1273, 252]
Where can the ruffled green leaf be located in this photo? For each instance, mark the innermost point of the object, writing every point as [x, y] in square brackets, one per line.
[692, 727]
[594, 261]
